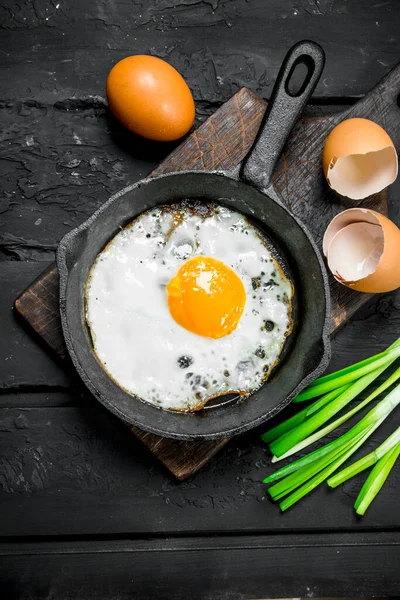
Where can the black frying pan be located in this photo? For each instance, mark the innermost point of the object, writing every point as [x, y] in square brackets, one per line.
[248, 190]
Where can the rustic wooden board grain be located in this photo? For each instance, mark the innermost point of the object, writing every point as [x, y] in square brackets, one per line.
[221, 143]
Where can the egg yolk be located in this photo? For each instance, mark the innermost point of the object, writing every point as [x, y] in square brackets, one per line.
[206, 297]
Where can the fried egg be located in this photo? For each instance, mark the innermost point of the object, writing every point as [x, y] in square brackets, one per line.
[188, 303]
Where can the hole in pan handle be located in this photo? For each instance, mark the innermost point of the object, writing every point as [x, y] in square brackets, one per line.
[288, 100]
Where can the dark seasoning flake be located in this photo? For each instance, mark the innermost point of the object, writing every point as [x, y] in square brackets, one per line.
[185, 361]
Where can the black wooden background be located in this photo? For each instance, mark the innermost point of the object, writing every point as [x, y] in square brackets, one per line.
[85, 510]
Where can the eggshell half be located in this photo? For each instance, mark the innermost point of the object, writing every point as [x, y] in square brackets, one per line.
[359, 159]
[352, 215]
[363, 250]
[355, 251]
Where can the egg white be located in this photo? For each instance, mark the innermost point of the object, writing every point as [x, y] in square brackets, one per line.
[141, 346]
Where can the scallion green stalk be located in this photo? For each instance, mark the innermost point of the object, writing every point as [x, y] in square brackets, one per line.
[325, 399]
[298, 418]
[328, 428]
[351, 368]
[305, 476]
[376, 479]
[283, 444]
[332, 393]
[320, 477]
[296, 479]
[313, 391]
[367, 461]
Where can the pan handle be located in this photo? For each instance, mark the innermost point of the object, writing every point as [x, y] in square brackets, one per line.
[282, 112]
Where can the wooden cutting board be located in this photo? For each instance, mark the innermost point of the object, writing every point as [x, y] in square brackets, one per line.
[221, 143]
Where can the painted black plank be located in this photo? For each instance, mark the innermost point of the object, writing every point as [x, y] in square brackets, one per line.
[46, 399]
[66, 52]
[23, 363]
[80, 471]
[234, 568]
[58, 167]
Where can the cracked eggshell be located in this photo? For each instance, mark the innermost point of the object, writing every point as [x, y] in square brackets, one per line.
[359, 159]
[362, 248]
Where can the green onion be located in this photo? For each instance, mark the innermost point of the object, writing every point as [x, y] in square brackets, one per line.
[313, 391]
[358, 429]
[297, 478]
[339, 460]
[285, 426]
[283, 444]
[328, 428]
[352, 368]
[365, 462]
[324, 400]
[380, 410]
[296, 419]
[376, 479]
[332, 393]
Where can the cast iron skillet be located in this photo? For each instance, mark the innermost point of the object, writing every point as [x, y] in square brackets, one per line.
[248, 190]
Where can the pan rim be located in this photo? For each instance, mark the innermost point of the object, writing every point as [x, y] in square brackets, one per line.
[63, 252]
